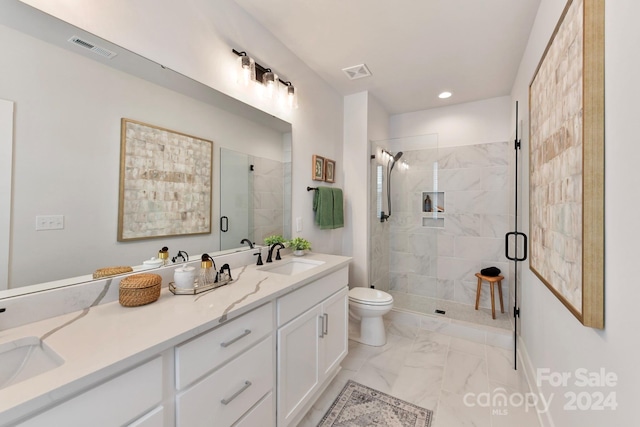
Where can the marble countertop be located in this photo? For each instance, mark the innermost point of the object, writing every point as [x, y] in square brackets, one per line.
[101, 341]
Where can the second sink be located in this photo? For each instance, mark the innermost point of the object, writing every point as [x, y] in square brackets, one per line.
[25, 358]
[291, 266]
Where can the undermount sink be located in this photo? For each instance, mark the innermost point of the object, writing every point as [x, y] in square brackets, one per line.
[291, 266]
[25, 358]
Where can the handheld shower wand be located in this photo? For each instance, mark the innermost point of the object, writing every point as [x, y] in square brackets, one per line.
[390, 164]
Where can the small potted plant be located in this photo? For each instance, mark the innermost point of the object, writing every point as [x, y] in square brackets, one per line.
[276, 238]
[298, 245]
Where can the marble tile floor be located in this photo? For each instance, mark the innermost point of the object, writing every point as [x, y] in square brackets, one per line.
[458, 370]
[453, 310]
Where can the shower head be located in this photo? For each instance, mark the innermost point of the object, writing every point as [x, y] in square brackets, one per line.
[394, 160]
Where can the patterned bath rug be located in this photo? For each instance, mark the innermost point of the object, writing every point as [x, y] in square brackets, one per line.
[360, 406]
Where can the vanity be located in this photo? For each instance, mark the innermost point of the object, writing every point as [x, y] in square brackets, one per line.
[257, 352]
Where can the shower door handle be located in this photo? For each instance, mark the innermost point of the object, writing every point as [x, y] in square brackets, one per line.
[506, 245]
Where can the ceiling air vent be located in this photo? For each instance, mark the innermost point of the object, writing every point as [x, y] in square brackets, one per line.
[357, 72]
[92, 47]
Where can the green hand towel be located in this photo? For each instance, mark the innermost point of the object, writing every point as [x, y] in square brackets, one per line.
[338, 211]
[323, 206]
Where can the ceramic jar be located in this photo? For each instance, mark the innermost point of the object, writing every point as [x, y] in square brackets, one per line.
[184, 277]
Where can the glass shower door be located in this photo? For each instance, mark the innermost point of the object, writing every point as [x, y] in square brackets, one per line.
[235, 199]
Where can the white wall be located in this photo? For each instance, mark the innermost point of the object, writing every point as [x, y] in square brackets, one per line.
[364, 120]
[553, 338]
[195, 38]
[460, 124]
[355, 184]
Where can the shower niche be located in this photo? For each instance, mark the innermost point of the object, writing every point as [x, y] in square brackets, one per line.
[433, 203]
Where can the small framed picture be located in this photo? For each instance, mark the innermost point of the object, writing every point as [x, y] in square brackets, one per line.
[317, 171]
[329, 170]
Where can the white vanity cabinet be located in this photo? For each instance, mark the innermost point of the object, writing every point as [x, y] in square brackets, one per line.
[227, 373]
[133, 395]
[263, 366]
[312, 341]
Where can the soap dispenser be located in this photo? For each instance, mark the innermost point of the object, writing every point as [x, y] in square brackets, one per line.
[224, 276]
[163, 254]
[208, 273]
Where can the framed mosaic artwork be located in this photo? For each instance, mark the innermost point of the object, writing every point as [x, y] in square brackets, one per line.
[317, 168]
[566, 176]
[329, 170]
[165, 183]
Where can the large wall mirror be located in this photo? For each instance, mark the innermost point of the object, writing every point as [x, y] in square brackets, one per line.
[65, 141]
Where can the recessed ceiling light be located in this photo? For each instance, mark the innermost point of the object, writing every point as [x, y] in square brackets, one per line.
[445, 95]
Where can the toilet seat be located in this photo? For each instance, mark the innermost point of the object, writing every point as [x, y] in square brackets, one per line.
[368, 296]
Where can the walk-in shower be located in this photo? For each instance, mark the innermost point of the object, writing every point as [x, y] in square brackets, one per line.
[450, 212]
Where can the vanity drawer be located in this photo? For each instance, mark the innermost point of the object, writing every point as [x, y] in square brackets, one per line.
[299, 301]
[113, 403]
[154, 418]
[203, 354]
[263, 414]
[241, 384]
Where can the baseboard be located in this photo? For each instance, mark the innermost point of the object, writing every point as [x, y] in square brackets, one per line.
[530, 374]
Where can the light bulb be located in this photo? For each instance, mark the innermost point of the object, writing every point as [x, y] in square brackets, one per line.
[270, 80]
[246, 70]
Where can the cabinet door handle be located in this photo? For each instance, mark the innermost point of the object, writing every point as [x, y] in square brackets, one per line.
[231, 341]
[321, 320]
[228, 400]
[326, 324]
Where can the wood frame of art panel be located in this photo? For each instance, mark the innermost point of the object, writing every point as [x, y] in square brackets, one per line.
[166, 180]
[566, 168]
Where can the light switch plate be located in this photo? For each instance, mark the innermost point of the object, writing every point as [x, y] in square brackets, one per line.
[49, 222]
[298, 224]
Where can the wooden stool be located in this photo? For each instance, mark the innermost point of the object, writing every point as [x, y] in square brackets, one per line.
[492, 281]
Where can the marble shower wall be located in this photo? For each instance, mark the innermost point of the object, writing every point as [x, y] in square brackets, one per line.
[440, 262]
[268, 197]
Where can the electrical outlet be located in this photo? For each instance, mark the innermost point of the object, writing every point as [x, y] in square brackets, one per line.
[49, 222]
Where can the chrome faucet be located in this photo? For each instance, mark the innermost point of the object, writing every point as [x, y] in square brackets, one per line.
[281, 246]
[243, 241]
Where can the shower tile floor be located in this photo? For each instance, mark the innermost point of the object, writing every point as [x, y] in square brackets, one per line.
[435, 362]
[453, 310]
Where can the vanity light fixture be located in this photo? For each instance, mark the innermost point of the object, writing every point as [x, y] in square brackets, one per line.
[270, 81]
[291, 96]
[445, 95]
[270, 84]
[246, 68]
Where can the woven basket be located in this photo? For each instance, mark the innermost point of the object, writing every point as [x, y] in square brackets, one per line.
[140, 289]
[111, 271]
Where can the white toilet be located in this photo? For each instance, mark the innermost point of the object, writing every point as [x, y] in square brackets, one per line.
[368, 306]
